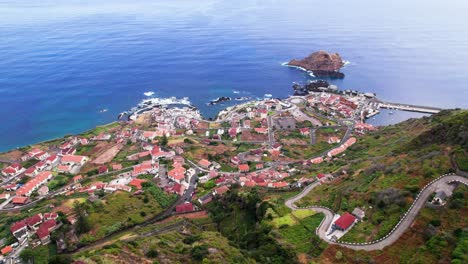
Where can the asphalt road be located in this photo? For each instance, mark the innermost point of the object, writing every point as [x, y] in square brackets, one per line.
[408, 218]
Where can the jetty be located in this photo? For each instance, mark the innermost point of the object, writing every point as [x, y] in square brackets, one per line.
[409, 107]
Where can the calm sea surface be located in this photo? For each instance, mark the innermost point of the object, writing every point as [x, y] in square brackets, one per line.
[61, 62]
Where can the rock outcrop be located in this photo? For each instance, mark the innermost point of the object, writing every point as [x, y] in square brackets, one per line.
[321, 63]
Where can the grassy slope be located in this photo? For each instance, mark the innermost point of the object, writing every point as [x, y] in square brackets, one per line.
[435, 237]
[385, 170]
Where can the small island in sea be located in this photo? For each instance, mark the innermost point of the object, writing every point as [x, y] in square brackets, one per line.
[321, 64]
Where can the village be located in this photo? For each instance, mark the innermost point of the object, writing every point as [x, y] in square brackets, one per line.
[260, 144]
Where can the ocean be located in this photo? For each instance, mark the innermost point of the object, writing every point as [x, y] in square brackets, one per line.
[62, 62]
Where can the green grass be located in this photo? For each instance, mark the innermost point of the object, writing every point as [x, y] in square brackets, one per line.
[118, 210]
[302, 237]
[301, 214]
[287, 220]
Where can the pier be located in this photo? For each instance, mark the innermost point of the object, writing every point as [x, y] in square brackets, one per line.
[409, 108]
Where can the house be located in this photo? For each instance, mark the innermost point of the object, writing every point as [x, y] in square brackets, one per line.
[74, 160]
[261, 130]
[205, 199]
[43, 191]
[34, 221]
[19, 200]
[34, 183]
[316, 160]
[13, 170]
[144, 168]
[359, 213]
[4, 196]
[262, 113]
[103, 169]
[332, 140]
[235, 160]
[204, 163]
[137, 183]
[102, 137]
[68, 151]
[323, 178]
[19, 229]
[52, 160]
[41, 155]
[233, 132]
[220, 190]
[64, 168]
[183, 208]
[280, 184]
[259, 166]
[148, 135]
[31, 171]
[48, 216]
[116, 167]
[6, 250]
[304, 131]
[244, 168]
[177, 174]
[246, 123]
[77, 178]
[344, 222]
[43, 233]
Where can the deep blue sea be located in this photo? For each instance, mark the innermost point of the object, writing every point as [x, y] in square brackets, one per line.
[61, 62]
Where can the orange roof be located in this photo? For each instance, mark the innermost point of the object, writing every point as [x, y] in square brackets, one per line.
[19, 199]
[244, 167]
[6, 250]
[204, 163]
[137, 183]
[34, 183]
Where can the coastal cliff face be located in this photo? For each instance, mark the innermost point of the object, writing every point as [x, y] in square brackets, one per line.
[321, 63]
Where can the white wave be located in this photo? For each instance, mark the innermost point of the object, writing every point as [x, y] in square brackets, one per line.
[149, 93]
[346, 63]
[236, 92]
[268, 95]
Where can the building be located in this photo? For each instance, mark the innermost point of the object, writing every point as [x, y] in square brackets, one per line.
[220, 190]
[13, 170]
[304, 131]
[204, 163]
[74, 160]
[34, 183]
[19, 229]
[184, 208]
[359, 213]
[244, 168]
[344, 222]
[43, 191]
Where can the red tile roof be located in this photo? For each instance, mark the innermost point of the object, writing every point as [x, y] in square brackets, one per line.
[17, 226]
[34, 220]
[345, 221]
[244, 167]
[19, 199]
[137, 183]
[204, 163]
[182, 208]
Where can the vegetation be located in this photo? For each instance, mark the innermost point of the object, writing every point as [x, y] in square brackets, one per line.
[163, 199]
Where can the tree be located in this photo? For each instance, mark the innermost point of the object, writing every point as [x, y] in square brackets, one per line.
[164, 140]
[82, 222]
[27, 255]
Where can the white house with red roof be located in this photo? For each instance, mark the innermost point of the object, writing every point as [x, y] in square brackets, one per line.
[13, 170]
[74, 160]
[19, 230]
[34, 184]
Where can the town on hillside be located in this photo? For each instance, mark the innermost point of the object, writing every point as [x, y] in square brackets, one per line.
[178, 158]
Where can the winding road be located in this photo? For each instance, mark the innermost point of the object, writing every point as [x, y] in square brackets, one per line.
[405, 222]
